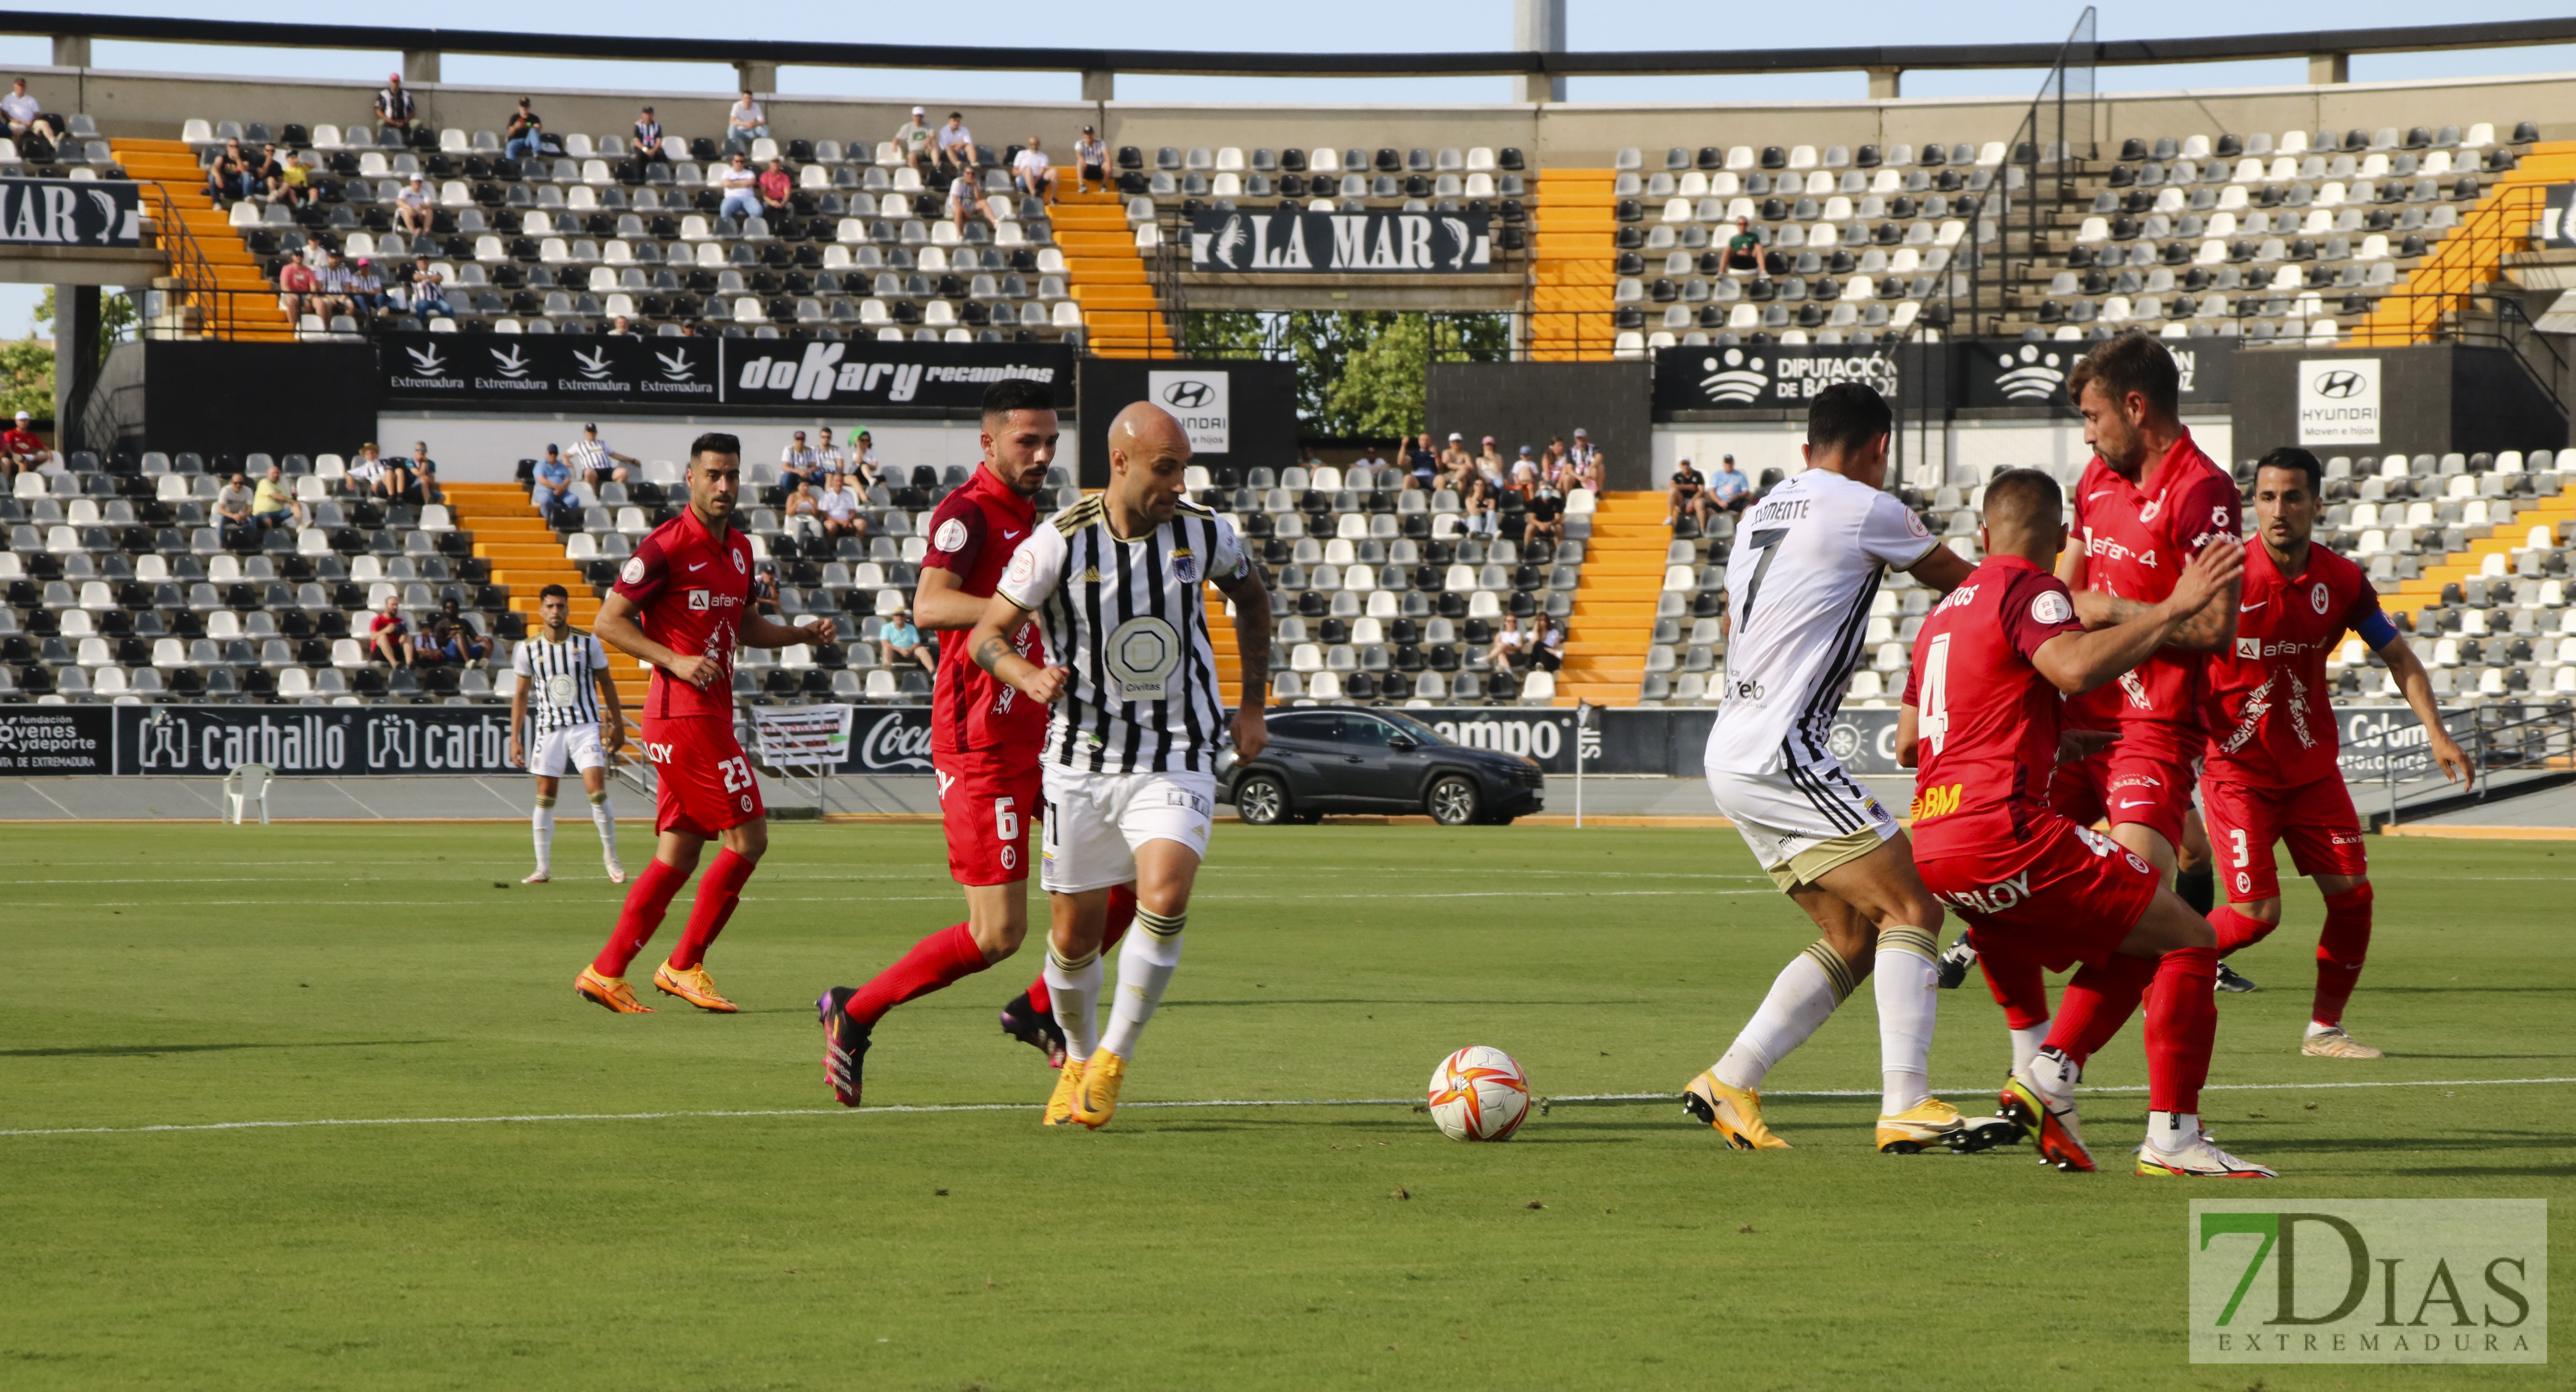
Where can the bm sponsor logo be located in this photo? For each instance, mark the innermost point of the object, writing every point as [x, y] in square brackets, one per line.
[1936, 802]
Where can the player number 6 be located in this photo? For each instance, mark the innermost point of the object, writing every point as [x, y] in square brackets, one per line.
[1006, 820]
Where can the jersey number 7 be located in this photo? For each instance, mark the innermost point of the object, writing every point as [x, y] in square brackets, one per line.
[1768, 543]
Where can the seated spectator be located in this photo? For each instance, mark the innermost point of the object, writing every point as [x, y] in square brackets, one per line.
[20, 450]
[896, 637]
[366, 288]
[776, 188]
[389, 635]
[595, 461]
[1453, 453]
[1511, 641]
[286, 179]
[367, 472]
[1545, 520]
[1418, 456]
[25, 113]
[1589, 470]
[1730, 490]
[228, 176]
[912, 141]
[801, 515]
[336, 297]
[830, 457]
[299, 290]
[746, 123]
[424, 488]
[1490, 459]
[764, 590]
[966, 201]
[1525, 477]
[648, 138]
[866, 471]
[622, 327]
[1480, 502]
[741, 188]
[414, 209]
[955, 147]
[1090, 161]
[273, 504]
[1548, 651]
[799, 461]
[1687, 497]
[840, 504]
[450, 613]
[394, 106]
[525, 139]
[402, 476]
[552, 490]
[1744, 250]
[1031, 174]
[428, 292]
[232, 511]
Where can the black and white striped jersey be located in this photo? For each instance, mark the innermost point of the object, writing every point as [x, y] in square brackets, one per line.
[562, 679]
[1129, 619]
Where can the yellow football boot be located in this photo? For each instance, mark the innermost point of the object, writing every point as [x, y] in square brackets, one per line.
[1735, 1112]
[1059, 1108]
[1095, 1098]
[610, 992]
[693, 986]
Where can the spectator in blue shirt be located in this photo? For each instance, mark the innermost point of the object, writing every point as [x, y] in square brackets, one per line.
[898, 638]
[553, 489]
[1730, 490]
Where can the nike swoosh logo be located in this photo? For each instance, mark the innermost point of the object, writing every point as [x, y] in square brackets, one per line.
[697, 565]
[2097, 493]
[2250, 608]
[2137, 802]
[1006, 536]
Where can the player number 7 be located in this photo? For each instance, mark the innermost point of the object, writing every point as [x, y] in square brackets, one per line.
[1768, 543]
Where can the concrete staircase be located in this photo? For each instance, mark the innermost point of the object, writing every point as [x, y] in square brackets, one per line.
[1107, 277]
[243, 305]
[1573, 258]
[2425, 590]
[526, 556]
[1614, 606]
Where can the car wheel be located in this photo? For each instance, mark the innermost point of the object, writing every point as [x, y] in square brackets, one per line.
[1261, 800]
[1454, 800]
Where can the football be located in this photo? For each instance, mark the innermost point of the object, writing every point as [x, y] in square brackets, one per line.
[1479, 1094]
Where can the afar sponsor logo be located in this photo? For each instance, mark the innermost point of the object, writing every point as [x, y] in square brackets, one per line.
[1936, 802]
[2369, 1281]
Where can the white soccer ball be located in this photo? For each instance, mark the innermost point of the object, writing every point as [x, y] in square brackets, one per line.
[1479, 1094]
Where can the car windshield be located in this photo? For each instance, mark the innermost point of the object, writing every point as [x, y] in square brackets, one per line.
[1422, 734]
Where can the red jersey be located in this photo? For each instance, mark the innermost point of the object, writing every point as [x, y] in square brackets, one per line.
[1986, 719]
[2136, 540]
[692, 593]
[20, 442]
[2265, 702]
[973, 534]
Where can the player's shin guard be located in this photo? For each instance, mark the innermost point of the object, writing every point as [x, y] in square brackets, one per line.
[1802, 996]
[2340, 950]
[1907, 978]
[645, 905]
[2182, 1028]
[718, 892]
[2236, 930]
[1122, 912]
[1145, 967]
[542, 824]
[942, 959]
[2096, 1003]
[604, 818]
[1073, 988]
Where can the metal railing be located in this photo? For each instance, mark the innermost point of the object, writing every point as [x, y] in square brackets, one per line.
[2531, 745]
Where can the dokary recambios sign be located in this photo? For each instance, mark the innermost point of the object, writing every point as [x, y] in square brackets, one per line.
[1378, 242]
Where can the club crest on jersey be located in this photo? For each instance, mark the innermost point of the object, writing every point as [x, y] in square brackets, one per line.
[951, 534]
[633, 571]
[740, 566]
[1185, 566]
[2317, 598]
[2148, 513]
[2051, 607]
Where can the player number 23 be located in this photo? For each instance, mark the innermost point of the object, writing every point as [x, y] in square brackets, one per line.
[737, 773]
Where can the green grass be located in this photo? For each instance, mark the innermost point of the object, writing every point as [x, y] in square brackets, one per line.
[201, 975]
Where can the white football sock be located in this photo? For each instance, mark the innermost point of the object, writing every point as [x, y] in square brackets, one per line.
[1802, 997]
[544, 826]
[1075, 991]
[2052, 1075]
[2026, 1042]
[1145, 965]
[1907, 985]
[604, 817]
[2172, 1131]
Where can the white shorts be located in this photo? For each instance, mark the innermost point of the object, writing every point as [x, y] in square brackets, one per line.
[566, 748]
[1095, 822]
[1787, 813]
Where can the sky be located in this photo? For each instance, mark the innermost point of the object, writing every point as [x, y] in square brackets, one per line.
[1321, 26]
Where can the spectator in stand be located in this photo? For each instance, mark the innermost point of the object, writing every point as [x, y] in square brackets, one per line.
[799, 461]
[425, 487]
[1588, 472]
[1744, 250]
[912, 140]
[366, 288]
[1418, 455]
[1581, 451]
[20, 451]
[299, 290]
[801, 515]
[1545, 520]
[367, 471]
[745, 124]
[1032, 174]
[622, 327]
[896, 637]
[273, 504]
[232, 512]
[1687, 497]
[454, 641]
[840, 506]
[1549, 650]
[1454, 454]
[428, 292]
[413, 208]
[1480, 502]
[776, 187]
[868, 472]
[402, 475]
[525, 139]
[287, 179]
[595, 461]
[450, 613]
[228, 179]
[829, 457]
[552, 490]
[1730, 490]
[955, 147]
[1490, 458]
[389, 635]
[336, 291]
[395, 108]
[1090, 161]
[965, 201]
[648, 138]
[1525, 477]
[1510, 642]
[25, 113]
[764, 590]
[741, 188]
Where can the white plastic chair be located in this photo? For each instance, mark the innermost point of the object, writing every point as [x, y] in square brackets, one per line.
[246, 784]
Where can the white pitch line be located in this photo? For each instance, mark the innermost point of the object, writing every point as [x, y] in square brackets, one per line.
[1206, 1103]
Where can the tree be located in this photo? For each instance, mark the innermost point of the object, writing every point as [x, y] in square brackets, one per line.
[27, 378]
[116, 320]
[1359, 372]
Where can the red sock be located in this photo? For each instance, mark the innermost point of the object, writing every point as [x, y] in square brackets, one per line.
[2182, 1027]
[2237, 930]
[942, 959]
[2339, 952]
[2096, 1003]
[717, 894]
[2018, 988]
[1122, 912]
[645, 905]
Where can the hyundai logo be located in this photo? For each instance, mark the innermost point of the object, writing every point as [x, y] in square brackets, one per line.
[2340, 384]
[1187, 395]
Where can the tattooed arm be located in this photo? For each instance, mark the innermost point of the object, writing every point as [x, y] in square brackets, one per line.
[992, 651]
[1252, 651]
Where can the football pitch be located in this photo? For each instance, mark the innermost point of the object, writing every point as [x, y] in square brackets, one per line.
[211, 1033]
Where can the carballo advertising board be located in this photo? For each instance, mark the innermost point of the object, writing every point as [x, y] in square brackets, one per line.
[710, 375]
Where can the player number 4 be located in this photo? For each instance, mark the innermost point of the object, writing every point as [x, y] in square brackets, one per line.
[1932, 714]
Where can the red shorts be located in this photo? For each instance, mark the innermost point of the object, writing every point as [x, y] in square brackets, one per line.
[2067, 895]
[987, 798]
[2315, 818]
[702, 784]
[2145, 777]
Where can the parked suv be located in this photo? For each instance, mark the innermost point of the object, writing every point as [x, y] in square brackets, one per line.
[1349, 760]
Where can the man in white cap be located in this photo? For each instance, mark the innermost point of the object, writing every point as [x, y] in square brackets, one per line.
[413, 208]
[912, 141]
[20, 450]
